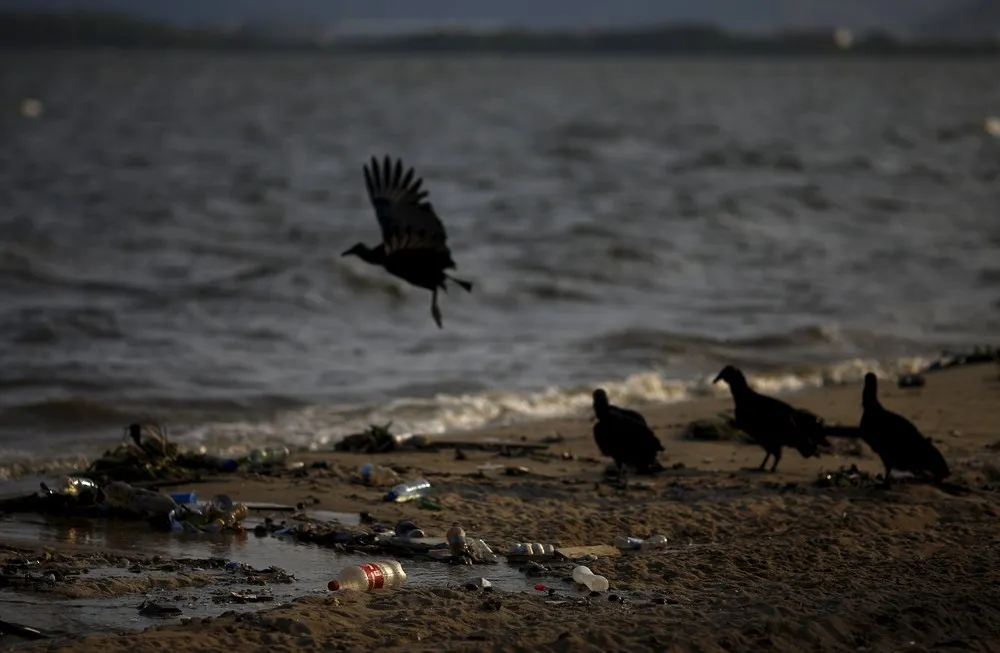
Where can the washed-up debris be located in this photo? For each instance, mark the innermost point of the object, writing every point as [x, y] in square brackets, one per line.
[409, 491]
[846, 477]
[479, 584]
[147, 455]
[150, 609]
[375, 439]
[654, 542]
[217, 515]
[516, 471]
[377, 475]
[242, 597]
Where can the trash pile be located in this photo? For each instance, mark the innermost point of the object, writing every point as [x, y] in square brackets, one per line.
[82, 497]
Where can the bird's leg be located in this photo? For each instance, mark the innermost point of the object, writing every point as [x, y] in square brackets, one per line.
[435, 311]
[763, 464]
[777, 457]
[886, 483]
[622, 476]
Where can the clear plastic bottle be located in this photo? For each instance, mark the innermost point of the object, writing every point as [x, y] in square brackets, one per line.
[376, 475]
[654, 542]
[594, 583]
[409, 491]
[369, 576]
[636, 544]
[628, 543]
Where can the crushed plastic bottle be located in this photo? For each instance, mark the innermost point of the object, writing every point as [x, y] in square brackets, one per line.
[409, 491]
[376, 475]
[369, 576]
[532, 549]
[123, 496]
[594, 583]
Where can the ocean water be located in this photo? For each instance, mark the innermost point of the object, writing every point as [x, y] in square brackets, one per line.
[171, 227]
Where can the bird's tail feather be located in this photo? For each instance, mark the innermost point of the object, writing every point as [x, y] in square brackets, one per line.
[466, 285]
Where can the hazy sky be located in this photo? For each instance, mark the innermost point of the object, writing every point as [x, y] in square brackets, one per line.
[743, 14]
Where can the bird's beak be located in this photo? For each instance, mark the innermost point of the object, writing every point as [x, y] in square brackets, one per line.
[717, 379]
[346, 253]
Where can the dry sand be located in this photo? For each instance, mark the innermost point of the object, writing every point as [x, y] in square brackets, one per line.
[780, 564]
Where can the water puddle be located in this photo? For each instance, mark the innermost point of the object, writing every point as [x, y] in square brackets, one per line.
[312, 566]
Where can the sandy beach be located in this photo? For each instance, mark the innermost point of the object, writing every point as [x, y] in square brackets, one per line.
[755, 561]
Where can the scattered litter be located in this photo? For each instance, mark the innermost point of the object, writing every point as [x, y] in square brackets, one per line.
[409, 491]
[369, 576]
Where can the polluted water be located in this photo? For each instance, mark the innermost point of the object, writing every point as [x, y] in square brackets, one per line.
[311, 566]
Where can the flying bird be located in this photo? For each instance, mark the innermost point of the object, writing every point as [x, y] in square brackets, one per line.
[896, 440]
[772, 423]
[414, 243]
[624, 435]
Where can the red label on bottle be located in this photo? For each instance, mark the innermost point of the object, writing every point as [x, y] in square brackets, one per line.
[376, 579]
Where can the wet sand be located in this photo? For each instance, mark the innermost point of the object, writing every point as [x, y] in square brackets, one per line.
[756, 561]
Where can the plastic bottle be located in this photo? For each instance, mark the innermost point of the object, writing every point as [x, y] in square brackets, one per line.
[375, 475]
[654, 542]
[409, 491]
[594, 583]
[369, 576]
[629, 543]
[636, 544]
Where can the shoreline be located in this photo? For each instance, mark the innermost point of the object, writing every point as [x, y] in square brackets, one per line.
[778, 561]
[313, 427]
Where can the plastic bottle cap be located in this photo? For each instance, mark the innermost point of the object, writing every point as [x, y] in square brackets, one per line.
[333, 585]
[540, 588]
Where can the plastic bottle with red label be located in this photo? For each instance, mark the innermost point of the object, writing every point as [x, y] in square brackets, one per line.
[369, 576]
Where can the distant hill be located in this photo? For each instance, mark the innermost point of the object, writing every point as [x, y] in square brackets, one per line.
[973, 20]
[892, 15]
